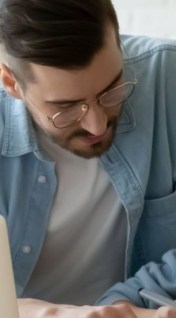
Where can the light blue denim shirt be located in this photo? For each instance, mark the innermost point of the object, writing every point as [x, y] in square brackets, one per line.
[141, 164]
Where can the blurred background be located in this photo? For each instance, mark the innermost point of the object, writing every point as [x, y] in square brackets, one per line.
[147, 17]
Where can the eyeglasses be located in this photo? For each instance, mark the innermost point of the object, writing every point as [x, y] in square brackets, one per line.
[113, 98]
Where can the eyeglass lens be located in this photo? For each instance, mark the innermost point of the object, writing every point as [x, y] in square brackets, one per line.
[112, 98]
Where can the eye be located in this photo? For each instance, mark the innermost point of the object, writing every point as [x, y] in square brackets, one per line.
[63, 107]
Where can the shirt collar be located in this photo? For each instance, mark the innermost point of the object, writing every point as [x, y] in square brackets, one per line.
[19, 135]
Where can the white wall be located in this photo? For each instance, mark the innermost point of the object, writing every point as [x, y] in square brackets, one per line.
[147, 17]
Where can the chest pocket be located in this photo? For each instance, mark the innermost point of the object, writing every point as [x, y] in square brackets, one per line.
[156, 232]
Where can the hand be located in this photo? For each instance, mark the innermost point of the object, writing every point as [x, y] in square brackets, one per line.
[162, 312]
[165, 312]
[31, 308]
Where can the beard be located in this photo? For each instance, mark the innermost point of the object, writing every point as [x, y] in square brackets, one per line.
[71, 141]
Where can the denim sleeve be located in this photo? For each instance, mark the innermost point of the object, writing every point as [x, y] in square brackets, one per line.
[160, 278]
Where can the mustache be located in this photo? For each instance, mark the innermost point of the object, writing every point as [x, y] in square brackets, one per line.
[84, 133]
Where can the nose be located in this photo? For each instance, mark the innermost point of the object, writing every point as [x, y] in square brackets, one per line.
[95, 121]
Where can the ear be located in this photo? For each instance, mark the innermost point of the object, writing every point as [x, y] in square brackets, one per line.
[9, 82]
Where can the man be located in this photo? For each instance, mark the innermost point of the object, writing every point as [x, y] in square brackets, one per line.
[87, 135]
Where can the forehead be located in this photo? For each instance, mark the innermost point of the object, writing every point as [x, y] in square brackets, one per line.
[55, 83]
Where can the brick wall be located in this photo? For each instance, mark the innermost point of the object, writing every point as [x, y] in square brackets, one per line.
[147, 17]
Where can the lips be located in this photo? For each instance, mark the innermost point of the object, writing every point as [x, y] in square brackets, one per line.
[92, 140]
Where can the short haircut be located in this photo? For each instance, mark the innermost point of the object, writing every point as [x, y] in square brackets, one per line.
[59, 33]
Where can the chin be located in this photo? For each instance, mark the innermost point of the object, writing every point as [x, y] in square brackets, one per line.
[85, 151]
[92, 151]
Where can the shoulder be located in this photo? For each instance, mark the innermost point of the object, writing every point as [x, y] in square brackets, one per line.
[154, 62]
[135, 48]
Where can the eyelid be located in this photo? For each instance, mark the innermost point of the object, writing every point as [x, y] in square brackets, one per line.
[65, 106]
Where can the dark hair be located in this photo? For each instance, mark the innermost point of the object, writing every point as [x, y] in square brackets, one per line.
[59, 33]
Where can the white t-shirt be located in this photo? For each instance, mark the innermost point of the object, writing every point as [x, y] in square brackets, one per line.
[84, 249]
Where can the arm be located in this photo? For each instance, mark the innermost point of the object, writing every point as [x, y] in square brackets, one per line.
[160, 278]
[157, 277]
[30, 308]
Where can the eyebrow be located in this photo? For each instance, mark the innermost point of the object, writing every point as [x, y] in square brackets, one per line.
[66, 102]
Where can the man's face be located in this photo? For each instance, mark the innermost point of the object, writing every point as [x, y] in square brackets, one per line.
[56, 90]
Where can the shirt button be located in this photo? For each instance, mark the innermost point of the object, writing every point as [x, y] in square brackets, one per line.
[27, 249]
[42, 179]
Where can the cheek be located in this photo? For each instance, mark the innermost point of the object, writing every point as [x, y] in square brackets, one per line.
[41, 120]
[62, 135]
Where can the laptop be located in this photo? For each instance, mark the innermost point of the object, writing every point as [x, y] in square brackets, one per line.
[8, 300]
